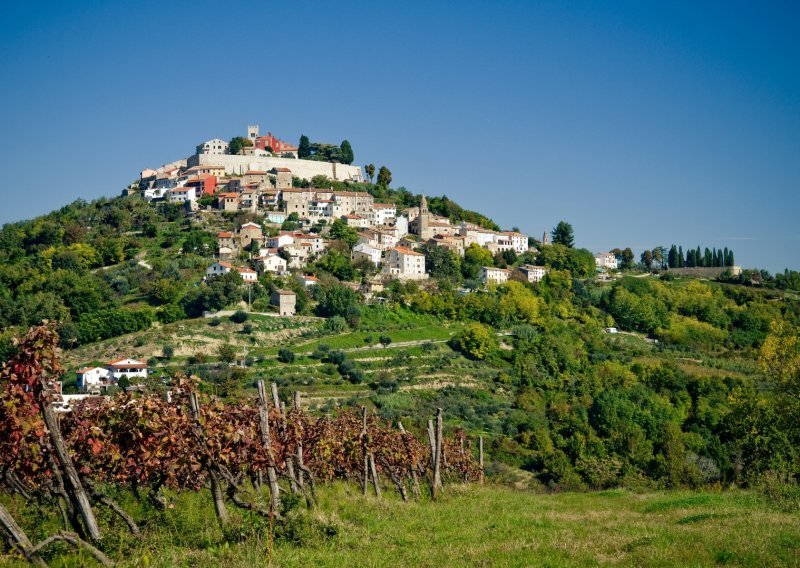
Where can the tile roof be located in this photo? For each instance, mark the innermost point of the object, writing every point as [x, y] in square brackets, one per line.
[404, 250]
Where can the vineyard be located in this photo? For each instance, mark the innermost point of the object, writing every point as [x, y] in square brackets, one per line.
[249, 455]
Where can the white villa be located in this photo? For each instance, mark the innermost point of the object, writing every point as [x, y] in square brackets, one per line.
[494, 275]
[605, 260]
[533, 273]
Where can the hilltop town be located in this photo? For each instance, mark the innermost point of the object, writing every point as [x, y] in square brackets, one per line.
[269, 180]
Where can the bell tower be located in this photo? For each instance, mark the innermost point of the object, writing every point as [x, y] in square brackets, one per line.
[423, 218]
[252, 133]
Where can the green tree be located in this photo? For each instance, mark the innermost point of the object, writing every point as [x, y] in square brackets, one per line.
[237, 143]
[343, 232]
[227, 353]
[338, 264]
[304, 148]
[346, 152]
[647, 259]
[370, 170]
[563, 234]
[441, 262]
[474, 258]
[385, 340]
[384, 177]
[475, 340]
[334, 300]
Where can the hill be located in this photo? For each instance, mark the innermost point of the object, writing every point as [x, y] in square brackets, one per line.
[529, 365]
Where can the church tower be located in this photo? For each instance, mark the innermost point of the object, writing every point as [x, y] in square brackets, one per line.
[423, 219]
[545, 238]
[252, 133]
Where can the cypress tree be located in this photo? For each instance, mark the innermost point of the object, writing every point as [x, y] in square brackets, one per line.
[730, 258]
[672, 257]
[304, 148]
[725, 257]
[708, 260]
[681, 262]
[698, 257]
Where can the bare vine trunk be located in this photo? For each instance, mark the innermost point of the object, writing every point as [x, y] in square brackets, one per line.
[266, 439]
[213, 473]
[411, 469]
[74, 488]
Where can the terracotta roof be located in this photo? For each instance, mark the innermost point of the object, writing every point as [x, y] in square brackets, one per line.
[404, 250]
[282, 170]
[225, 235]
[229, 195]
[384, 205]
[121, 362]
[255, 173]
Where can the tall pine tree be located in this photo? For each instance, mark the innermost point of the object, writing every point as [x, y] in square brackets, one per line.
[672, 257]
[304, 148]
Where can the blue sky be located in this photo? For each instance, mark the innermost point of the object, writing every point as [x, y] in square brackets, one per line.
[640, 123]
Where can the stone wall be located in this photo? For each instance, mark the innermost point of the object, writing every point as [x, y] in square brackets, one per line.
[705, 271]
[300, 168]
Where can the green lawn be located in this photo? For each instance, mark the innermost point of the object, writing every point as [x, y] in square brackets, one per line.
[478, 526]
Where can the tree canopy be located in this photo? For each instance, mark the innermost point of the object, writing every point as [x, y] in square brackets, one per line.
[563, 234]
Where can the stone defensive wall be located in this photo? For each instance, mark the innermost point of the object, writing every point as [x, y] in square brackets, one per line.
[705, 271]
[300, 168]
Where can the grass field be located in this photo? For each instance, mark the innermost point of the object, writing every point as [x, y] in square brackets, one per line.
[481, 526]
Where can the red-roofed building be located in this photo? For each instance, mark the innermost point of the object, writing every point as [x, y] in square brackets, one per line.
[278, 146]
[130, 368]
[206, 184]
[404, 264]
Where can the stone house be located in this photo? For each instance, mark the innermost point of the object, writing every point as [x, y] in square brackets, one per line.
[285, 300]
[404, 264]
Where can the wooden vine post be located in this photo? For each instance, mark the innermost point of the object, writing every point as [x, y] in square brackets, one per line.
[480, 459]
[436, 486]
[298, 456]
[364, 452]
[266, 439]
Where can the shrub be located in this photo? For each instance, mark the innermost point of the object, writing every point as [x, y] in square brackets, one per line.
[170, 313]
[335, 324]
[476, 341]
[247, 328]
[214, 322]
[239, 316]
[167, 352]
[227, 353]
[286, 356]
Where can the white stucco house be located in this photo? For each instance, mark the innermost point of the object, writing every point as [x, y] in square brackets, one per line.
[363, 250]
[404, 264]
[489, 274]
[93, 379]
[605, 260]
[533, 273]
